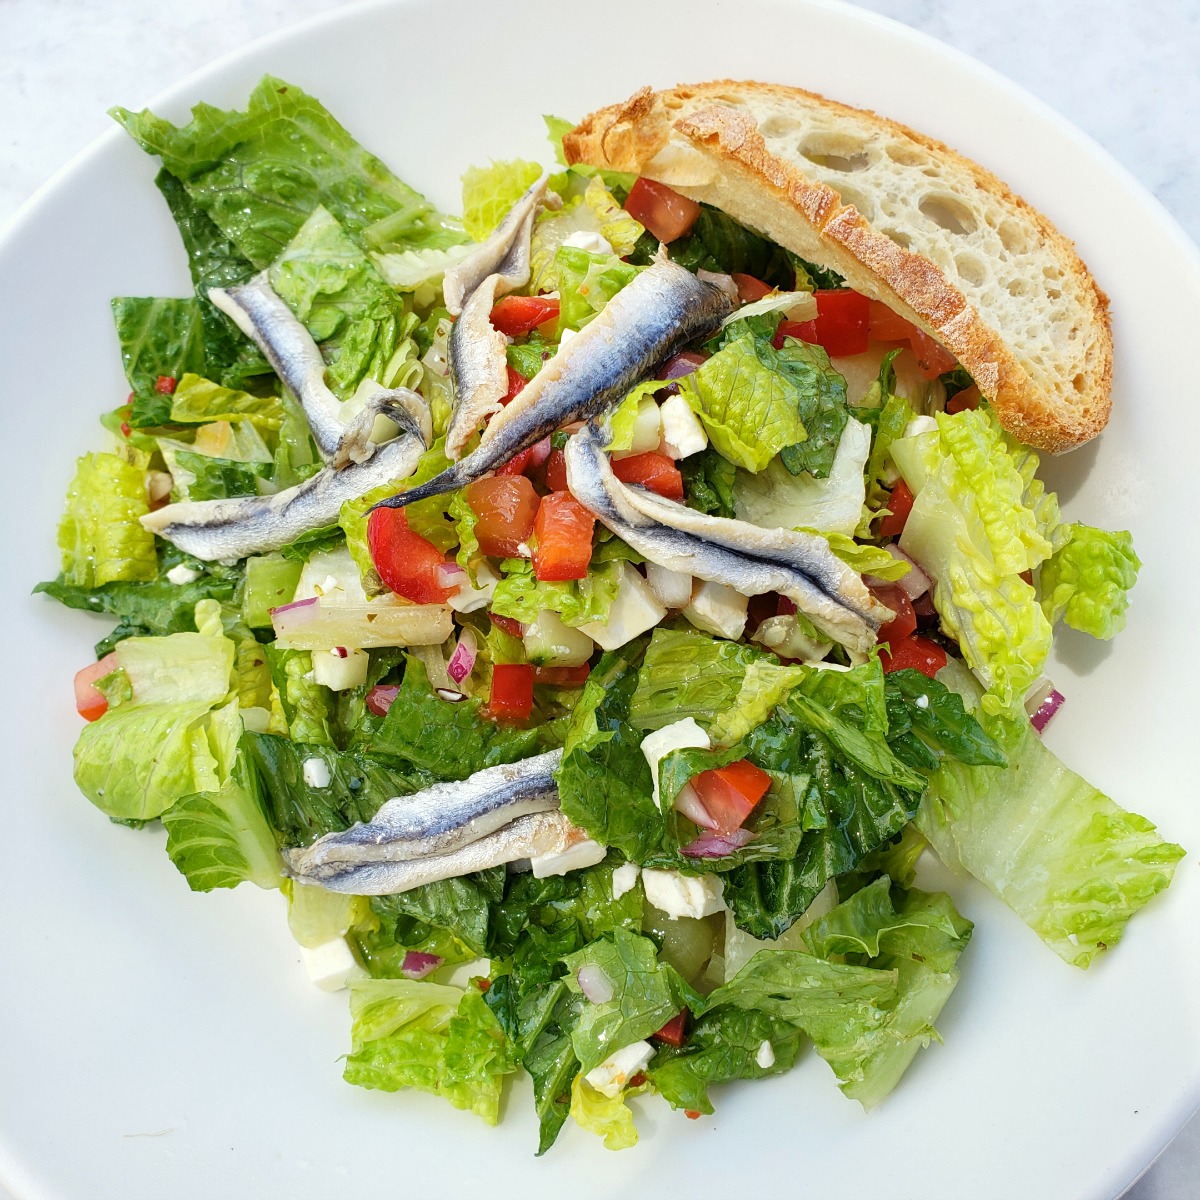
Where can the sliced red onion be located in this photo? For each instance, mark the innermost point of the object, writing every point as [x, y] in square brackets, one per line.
[417, 965]
[916, 582]
[717, 845]
[290, 618]
[341, 652]
[594, 984]
[451, 695]
[450, 575]
[678, 365]
[462, 661]
[381, 697]
[689, 803]
[1042, 703]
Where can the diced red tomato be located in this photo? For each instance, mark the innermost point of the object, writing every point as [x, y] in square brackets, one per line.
[750, 289]
[165, 385]
[512, 692]
[804, 331]
[692, 1114]
[653, 471]
[674, 1032]
[887, 326]
[932, 359]
[516, 382]
[505, 507]
[842, 322]
[730, 793]
[905, 620]
[663, 211]
[899, 506]
[564, 538]
[556, 471]
[89, 701]
[562, 676]
[967, 398]
[381, 697]
[916, 652]
[528, 460]
[519, 315]
[509, 624]
[125, 429]
[406, 562]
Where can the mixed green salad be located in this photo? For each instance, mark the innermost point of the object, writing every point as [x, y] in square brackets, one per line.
[740, 788]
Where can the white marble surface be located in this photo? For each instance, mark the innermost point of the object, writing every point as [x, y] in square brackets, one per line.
[1125, 73]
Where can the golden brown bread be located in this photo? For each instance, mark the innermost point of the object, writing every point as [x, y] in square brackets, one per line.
[903, 218]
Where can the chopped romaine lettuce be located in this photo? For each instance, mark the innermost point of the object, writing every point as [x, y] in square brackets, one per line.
[159, 339]
[586, 283]
[577, 601]
[1086, 582]
[489, 192]
[607, 1117]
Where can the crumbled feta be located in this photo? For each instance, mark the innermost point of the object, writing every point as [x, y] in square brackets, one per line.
[683, 895]
[718, 610]
[625, 879]
[672, 588]
[679, 735]
[765, 1056]
[922, 701]
[593, 243]
[583, 854]
[633, 611]
[340, 669]
[524, 550]
[471, 597]
[615, 1072]
[182, 574]
[331, 965]
[682, 433]
[919, 425]
[477, 968]
[316, 773]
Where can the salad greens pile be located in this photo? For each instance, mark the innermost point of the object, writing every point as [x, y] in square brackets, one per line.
[808, 929]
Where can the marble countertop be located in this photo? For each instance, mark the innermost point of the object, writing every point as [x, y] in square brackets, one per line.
[1124, 73]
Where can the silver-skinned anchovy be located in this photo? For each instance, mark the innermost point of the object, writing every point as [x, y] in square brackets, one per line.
[476, 354]
[648, 320]
[745, 557]
[531, 836]
[504, 253]
[262, 315]
[441, 818]
[226, 530]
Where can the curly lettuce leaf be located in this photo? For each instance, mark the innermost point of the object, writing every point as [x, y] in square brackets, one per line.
[489, 192]
[1086, 582]
[100, 536]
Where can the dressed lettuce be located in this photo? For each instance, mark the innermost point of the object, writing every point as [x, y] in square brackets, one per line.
[489, 192]
[521, 596]
[1086, 582]
[160, 339]
[586, 283]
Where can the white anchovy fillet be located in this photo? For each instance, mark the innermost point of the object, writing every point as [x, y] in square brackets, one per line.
[478, 367]
[226, 530]
[745, 557]
[439, 819]
[662, 309]
[259, 312]
[527, 837]
[506, 253]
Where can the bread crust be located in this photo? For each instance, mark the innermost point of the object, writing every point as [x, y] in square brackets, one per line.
[699, 139]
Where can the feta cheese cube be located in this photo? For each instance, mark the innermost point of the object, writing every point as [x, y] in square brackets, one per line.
[583, 854]
[679, 735]
[316, 773]
[682, 432]
[672, 588]
[625, 879]
[340, 669]
[615, 1072]
[765, 1056]
[718, 610]
[633, 611]
[461, 975]
[331, 965]
[181, 574]
[683, 895]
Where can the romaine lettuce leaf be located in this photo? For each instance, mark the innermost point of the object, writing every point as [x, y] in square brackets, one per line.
[520, 596]
[307, 706]
[708, 482]
[889, 423]
[716, 242]
[197, 400]
[489, 192]
[1086, 582]
[100, 536]
[608, 1117]
[159, 338]
[594, 211]
[586, 283]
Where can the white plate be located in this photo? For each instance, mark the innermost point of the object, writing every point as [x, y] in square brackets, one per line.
[157, 1043]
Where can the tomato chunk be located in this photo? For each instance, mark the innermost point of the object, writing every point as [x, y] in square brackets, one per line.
[516, 382]
[528, 460]
[663, 211]
[510, 625]
[519, 315]
[749, 288]
[674, 1032]
[932, 359]
[505, 506]
[89, 701]
[842, 321]
[905, 620]
[512, 692]
[653, 471]
[562, 676]
[564, 538]
[165, 385]
[967, 398]
[887, 326]
[406, 562]
[916, 652]
[730, 793]
[899, 506]
[556, 471]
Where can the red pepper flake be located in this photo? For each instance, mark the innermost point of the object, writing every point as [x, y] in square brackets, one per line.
[483, 984]
[691, 1114]
[125, 428]
[165, 385]
[638, 1079]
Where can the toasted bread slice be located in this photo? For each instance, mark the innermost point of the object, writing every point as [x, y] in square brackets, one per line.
[903, 218]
